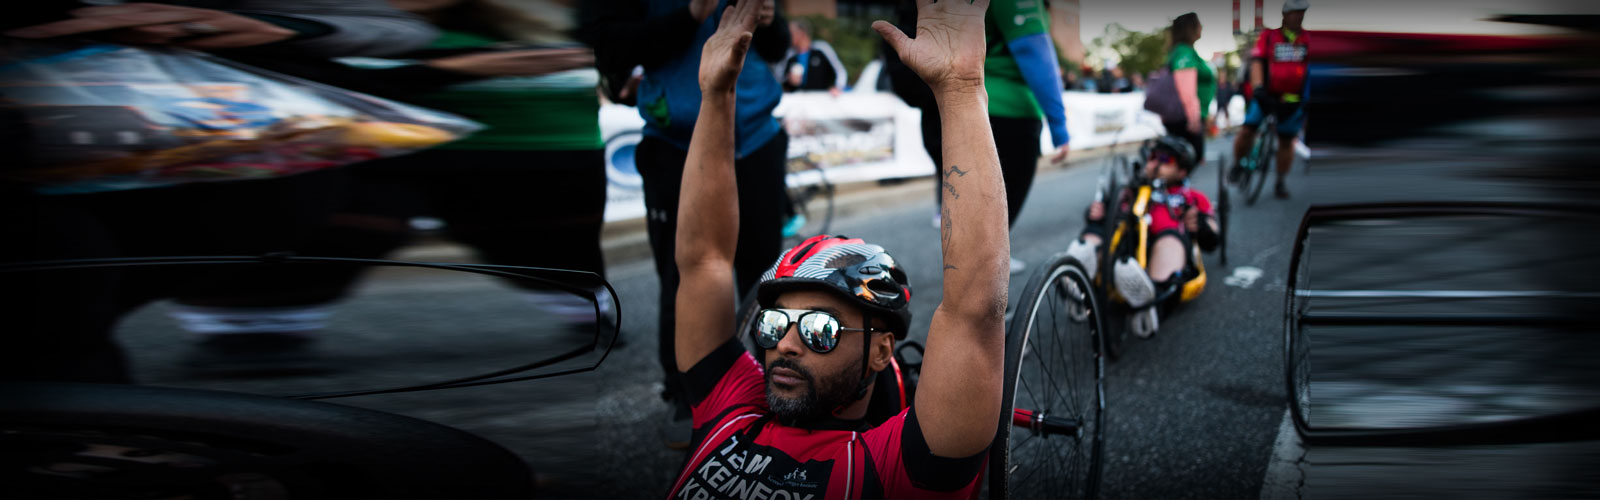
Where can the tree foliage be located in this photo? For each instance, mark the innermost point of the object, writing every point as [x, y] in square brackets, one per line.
[1139, 52]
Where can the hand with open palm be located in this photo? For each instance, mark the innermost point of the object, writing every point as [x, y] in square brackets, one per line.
[722, 57]
[948, 51]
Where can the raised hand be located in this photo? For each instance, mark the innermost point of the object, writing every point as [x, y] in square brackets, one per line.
[722, 58]
[948, 51]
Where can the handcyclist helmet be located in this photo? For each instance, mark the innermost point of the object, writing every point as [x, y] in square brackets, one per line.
[1178, 147]
[858, 272]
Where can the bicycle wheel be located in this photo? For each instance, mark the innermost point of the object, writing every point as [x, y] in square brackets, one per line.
[1222, 214]
[1266, 154]
[1296, 344]
[1049, 444]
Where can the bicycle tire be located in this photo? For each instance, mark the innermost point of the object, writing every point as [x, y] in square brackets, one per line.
[1034, 330]
[1266, 154]
[1296, 343]
[1222, 212]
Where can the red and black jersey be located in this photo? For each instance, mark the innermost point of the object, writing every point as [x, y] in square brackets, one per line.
[1283, 59]
[742, 452]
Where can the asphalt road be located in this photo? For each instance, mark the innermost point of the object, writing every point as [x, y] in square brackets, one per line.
[1194, 412]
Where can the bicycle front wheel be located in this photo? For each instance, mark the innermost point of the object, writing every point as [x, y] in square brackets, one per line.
[1049, 445]
[1266, 152]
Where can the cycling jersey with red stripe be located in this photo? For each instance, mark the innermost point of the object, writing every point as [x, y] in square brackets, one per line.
[1285, 60]
[1166, 211]
[742, 452]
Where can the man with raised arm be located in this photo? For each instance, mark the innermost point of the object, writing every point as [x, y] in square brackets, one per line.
[793, 421]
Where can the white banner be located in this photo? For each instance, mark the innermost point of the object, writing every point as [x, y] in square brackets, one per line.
[870, 136]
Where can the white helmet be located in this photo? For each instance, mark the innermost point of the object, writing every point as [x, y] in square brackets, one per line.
[1293, 5]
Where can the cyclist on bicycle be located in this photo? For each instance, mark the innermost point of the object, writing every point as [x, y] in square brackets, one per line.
[791, 420]
[1180, 217]
[1278, 85]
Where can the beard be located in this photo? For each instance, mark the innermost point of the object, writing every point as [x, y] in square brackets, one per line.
[819, 398]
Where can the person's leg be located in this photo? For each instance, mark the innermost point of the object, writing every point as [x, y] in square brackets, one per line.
[661, 171]
[760, 176]
[529, 208]
[1247, 132]
[1167, 257]
[1017, 142]
[1291, 118]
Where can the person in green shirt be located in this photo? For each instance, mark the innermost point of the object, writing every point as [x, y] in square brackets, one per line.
[1024, 86]
[1196, 82]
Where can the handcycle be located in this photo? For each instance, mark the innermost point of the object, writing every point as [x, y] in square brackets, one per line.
[1127, 195]
[76, 440]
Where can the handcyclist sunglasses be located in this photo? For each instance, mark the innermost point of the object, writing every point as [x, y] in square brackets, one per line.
[819, 330]
[1160, 157]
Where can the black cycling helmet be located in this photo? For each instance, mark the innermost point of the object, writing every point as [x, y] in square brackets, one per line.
[859, 272]
[1178, 147]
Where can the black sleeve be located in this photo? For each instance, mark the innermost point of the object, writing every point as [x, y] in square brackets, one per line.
[623, 37]
[931, 472]
[772, 41]
[702, 378]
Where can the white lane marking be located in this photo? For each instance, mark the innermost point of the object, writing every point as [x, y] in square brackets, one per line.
[1243, 277]
[1442, 294]
[1286, 473]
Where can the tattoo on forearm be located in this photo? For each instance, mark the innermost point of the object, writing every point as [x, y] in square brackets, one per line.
[956, 171]
[946, 225]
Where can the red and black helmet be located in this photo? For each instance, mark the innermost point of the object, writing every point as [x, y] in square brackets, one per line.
[859, 272]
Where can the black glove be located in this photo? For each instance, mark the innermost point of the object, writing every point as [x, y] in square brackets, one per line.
[1262, 98]
[1205, 236]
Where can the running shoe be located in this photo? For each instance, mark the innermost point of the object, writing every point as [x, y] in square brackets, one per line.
[1085, 254]
[1143, 322]
[792, 227]
[1132, 282]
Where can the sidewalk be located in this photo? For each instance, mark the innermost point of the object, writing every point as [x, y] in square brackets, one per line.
[625, 242]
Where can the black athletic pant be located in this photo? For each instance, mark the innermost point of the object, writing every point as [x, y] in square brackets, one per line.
[760, 177]
[1017, 142]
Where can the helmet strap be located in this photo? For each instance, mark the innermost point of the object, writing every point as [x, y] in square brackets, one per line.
[866, 356]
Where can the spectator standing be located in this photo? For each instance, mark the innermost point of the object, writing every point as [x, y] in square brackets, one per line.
[811, 64]
[665, 37]
[1195, 80]
[1023, 77]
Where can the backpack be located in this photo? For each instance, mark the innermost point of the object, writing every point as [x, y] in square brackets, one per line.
[1161, 96]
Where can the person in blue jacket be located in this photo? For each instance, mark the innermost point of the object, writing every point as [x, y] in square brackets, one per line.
[665, 38]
